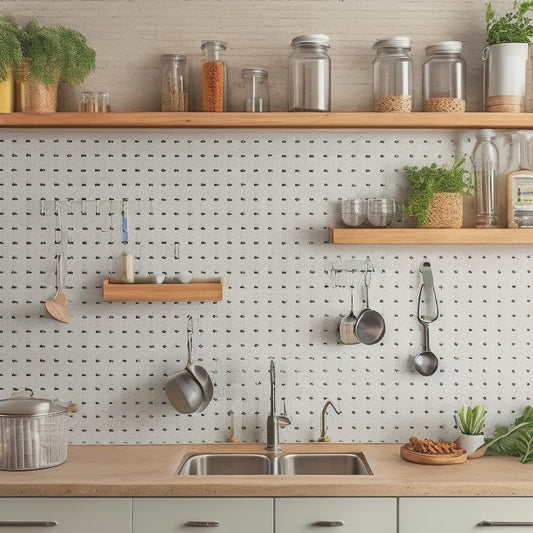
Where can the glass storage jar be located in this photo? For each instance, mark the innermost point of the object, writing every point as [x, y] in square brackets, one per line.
[214, 76]
[310, 74]
[174, 83]
[255, 82]
[444, 78]
[393, 75]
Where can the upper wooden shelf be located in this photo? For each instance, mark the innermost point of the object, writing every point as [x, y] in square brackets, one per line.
[430, 236]
[269, 120]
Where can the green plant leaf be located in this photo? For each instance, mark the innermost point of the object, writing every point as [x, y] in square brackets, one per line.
[472, 419]
[513, 27]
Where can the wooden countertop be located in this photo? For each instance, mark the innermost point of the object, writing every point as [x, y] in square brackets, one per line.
[150, 470]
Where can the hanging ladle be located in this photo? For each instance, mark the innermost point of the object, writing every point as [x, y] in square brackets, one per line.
[426, 362]
[57, 306]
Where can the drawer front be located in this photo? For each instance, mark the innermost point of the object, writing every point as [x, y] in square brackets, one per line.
[466, 515]
[342, 515]
[196, 515]
[65, 515]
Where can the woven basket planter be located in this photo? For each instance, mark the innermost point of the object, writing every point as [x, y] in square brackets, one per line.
[446, 210]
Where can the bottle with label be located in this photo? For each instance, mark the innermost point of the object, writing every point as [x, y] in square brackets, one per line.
[214, 76]
[485, 161]
[310, 74]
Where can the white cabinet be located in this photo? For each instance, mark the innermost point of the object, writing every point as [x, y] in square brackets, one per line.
[349, 515]
[220, 515]
[65, 515]
[465, 515]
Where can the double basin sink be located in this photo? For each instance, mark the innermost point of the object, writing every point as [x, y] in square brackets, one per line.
[291, 464]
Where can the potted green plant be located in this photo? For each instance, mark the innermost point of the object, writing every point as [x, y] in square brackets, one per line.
[52, 54]
[436, 194]
[505, 57]
[471, 423]
[10, 61]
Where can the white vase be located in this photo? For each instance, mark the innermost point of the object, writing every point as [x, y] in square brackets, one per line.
[470, 443]
[505, 77]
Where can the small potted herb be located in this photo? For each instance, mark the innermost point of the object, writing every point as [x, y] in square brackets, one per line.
[436, 194]
[505, 57]
[471, 424]
[52, 54]
[10, 61]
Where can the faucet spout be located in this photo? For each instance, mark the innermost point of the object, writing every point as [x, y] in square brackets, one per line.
[323, 426]
[274, 421]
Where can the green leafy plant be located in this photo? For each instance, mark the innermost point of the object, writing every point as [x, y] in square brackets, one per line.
[10, 46]
[513, 27]
[519, 439]
[56, 53]
[429, 180]
[472, 420]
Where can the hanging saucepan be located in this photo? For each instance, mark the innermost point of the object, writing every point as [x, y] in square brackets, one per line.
[33, 432]
[370, 325]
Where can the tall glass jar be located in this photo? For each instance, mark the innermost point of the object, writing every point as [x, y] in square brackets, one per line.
[214, 76]
[310, 74]
[255, 85]
[393, 75]
[174, 83]
[444, 78]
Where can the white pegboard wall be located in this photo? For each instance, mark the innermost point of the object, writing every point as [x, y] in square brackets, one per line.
[252, 207]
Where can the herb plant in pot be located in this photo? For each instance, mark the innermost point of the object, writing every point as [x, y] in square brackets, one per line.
[436, 194]
[52, 54]
[10, 61]
[471, 423]
[505, 58]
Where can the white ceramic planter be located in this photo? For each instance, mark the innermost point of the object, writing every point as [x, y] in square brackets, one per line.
[470, 443]
[505, 77]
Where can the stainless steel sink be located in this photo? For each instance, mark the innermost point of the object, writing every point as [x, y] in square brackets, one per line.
[320, 464]
[293, 464]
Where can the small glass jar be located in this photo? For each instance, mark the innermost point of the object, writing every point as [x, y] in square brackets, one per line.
[95, 102]
[214, 76]
[393, 75]
[310, 74]
[444, 78]
[255, 82]
[174, 83]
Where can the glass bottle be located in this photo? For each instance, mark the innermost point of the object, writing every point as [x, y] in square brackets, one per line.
[485, 161]
[444, 78]
[214, 76]
[174, 83]
[257, 99]
[310, 74]
[393, 75]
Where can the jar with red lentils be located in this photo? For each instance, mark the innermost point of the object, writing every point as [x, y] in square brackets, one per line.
[214, 76]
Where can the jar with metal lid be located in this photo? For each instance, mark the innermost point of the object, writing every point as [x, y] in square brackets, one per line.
[310, 74]
[393, 75]
[444, 78]
[255, 81]
[214, 76]
[174, 83]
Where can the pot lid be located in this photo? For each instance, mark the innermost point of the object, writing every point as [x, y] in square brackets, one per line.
[28, 405]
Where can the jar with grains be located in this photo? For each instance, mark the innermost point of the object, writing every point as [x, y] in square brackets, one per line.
[444, 78]
[256, 88]
[174, 83]
[393, 75]
[214, 76]
[310, 74]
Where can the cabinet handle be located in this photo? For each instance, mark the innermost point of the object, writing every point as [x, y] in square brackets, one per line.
[329, 523]
[203, 523]
[486, 523]
[28, 523]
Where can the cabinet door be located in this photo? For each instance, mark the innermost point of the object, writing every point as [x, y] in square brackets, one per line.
[65, 515]
[345, 515]
[465, 515]
[217, 515]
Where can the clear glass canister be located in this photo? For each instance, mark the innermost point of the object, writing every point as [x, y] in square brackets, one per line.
[174, 83]
[444, 78]
[214, 76]
[310, 74]
[255, 81]
[393, 75]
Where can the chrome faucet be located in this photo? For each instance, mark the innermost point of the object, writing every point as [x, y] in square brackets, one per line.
[274, 421]
[323, 426]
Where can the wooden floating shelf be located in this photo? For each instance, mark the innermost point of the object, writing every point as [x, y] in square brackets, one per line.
[197, 291]
[430, 236]
[281, 120]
